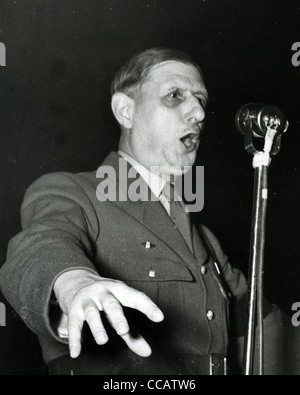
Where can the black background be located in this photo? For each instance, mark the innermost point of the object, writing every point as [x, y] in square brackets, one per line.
[55, 115]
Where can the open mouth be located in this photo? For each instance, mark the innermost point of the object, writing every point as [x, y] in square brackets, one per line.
[190, 141]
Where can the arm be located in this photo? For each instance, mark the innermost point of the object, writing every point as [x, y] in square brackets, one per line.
[58, 223]
[54, 252]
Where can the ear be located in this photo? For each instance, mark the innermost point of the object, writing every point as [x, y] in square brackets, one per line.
[123, 109]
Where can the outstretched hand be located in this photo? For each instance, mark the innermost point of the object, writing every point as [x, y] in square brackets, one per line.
[82, 295]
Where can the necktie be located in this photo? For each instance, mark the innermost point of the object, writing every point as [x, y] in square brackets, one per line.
[179, 215]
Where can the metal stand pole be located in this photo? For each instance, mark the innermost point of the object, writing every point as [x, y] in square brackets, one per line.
[268, 122]
[256, 270]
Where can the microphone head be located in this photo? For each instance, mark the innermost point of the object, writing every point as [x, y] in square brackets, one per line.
[260, 117]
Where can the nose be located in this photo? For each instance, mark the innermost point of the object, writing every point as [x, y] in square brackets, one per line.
[195, 112]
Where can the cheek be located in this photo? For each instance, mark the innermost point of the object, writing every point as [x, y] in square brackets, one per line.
[165, 123]
[158, 125]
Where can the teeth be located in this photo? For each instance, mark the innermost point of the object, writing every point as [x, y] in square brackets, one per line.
[189, 140]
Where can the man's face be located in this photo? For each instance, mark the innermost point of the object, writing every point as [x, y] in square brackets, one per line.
[168, 116]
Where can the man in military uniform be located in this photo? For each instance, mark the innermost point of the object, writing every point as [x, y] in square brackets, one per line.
[115, 285]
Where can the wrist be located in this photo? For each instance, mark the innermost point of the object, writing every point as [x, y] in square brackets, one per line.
[69, 283]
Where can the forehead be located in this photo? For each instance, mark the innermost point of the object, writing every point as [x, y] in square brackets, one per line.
[181, 75]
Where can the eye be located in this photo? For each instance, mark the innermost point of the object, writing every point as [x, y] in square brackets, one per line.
[174, 95]
[202, 102]
[173, 98]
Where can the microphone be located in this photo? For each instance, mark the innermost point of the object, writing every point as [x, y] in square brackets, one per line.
[260, 118]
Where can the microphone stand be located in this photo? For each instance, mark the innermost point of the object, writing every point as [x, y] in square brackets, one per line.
[253, 123]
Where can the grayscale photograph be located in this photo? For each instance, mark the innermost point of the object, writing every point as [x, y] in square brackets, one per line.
[149, 195]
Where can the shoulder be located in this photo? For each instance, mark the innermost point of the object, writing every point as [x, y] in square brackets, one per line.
[78, 188]
[61, 195]
[61, 184]
[62, 181]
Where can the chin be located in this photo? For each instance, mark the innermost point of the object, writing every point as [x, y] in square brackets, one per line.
[188, 160]
[181, 167]
[177, 165]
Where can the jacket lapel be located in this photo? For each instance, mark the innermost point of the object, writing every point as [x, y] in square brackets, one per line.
[155, 218]
[150, 212]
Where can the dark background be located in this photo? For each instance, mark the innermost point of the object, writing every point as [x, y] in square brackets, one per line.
[55, 115]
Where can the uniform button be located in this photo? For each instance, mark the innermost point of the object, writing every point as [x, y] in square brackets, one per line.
[152, 273]
[203, 270]
[147, 245]
[210, 315]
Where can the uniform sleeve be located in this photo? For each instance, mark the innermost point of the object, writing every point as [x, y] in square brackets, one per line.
[59, 227]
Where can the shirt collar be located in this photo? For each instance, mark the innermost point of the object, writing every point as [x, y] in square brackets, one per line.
[154, 181]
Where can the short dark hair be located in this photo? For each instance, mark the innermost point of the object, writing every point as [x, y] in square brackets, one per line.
[135, 71]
